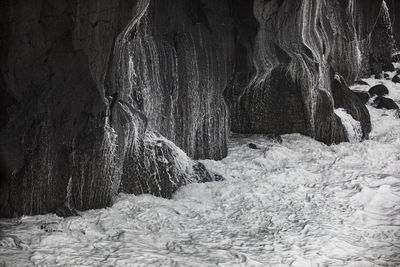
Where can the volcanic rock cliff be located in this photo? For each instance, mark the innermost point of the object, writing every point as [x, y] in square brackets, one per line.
[394, 11]
[102, 97]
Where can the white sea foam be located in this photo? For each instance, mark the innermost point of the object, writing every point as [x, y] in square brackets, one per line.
[353, 127]
[299, 203]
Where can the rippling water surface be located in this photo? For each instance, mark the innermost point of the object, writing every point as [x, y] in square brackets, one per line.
[299, 203]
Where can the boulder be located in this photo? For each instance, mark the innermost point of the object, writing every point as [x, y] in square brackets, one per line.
[276, 70]
[394, 10]
[81, 89]
[166, 163]
[396, 79]
[84, 90]
[379, 90]
[205, 175]
[253, 146]
[385, 103]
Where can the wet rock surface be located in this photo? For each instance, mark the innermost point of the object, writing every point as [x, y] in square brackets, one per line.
[75, 114]
[394, 10]
[10, 241]
[378, 90]
[382, 43]
[362, 95]
[396, 79]
[344, 98]
[384, 102]
[121, 96]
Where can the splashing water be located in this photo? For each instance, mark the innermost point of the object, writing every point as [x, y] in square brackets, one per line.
[353, 127]
[299, 203]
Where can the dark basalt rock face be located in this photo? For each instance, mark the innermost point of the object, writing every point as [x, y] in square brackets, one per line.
[394, 10]
[103, 97]
[377, 49]
[362, 95]
[177, 61]
[282, 81]
[76, 121]
[382, 43]
[253, 146]
[346, 99]
[158, 169]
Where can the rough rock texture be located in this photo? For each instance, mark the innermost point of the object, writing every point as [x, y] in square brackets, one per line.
[384, 102]
[72, 131]
[382, 43]
[99, 97]
[394, 10]
[51, 66]
[346, 99]
[362, 95]
[177, 60]
[284, 57]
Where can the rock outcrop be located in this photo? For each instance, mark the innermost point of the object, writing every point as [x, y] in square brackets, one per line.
[79, 124]
[378, 90]
[362, 95]
[344, 98]
[396, 79]
[385, 103]
[394, 10]
[285, 54]
[382, 43]
[102, 97]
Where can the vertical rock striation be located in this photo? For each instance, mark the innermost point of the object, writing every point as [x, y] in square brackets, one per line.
[168, 71]
[284, 86]
[71, 127]
[382, 43]
[57, 112]
[176, 58]
[394, 10]
[102, 97]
